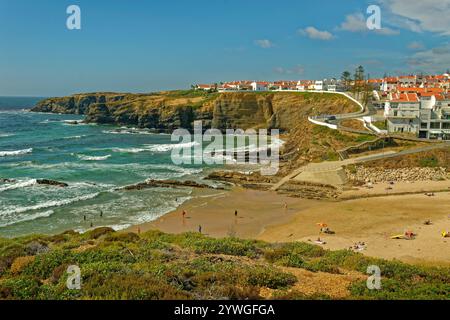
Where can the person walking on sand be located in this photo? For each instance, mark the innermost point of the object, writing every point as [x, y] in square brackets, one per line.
[200, 229]
[235, 213]
[184, 213]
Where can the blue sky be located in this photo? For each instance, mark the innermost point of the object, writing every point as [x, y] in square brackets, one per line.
[149, 45]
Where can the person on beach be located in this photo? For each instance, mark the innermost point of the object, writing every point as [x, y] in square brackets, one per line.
[285, 206]
[235, 213]
[200, 229]
[184, 213]
[139, 230]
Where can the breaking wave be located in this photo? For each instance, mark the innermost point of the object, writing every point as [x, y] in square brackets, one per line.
[5, 135]
[31, 217]
[19, 185]
[169, 147]
[125, 130]
[15, 152]
[94, 158]
[129, 150]
[48, 204]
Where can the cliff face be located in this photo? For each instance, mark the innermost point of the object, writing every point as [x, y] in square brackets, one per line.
[166, 111]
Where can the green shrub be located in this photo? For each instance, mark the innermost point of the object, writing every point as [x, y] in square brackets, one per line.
[122, 237]
[97, 233]
[42, 267]
[22, 287]
[269, 277]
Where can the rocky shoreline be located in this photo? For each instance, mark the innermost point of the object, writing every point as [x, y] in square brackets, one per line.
[379, 174]
[168, 184]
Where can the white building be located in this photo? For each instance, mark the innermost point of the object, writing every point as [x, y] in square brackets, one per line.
[318, 85]
[403, 112]
[259, 86]
[428, 116]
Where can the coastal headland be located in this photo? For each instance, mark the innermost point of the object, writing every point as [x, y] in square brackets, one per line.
[365, 203]
[343, 200]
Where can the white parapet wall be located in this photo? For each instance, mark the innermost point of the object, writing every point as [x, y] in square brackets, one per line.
[326, 124]
[370, 126]
[321, 123]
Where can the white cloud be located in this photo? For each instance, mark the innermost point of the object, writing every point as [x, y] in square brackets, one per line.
[298, 70]
[419, 16]
[357, 23]
[314, 33]
[435, 60]
[415, 45]
[354, 23]
[264, 43]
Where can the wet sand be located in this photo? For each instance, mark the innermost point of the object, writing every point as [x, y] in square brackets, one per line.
[262, 215]
[214, 211]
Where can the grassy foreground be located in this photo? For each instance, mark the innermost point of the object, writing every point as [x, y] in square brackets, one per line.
[155, 265]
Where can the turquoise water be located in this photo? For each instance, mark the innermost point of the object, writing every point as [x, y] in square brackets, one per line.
[94, 160]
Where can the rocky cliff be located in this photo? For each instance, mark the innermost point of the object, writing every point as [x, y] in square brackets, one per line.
[165, 111]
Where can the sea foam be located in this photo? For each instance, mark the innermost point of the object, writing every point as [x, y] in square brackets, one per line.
[19, 185]
[48, 204]
[15, 152]
[94, 158]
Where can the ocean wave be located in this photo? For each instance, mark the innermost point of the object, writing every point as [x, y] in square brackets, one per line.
[156, 147]
[126, 130]
[73, 122]
[94, 158]
[15, 152]
[5, 135]
[170, 146]
[129, 150]
[19, 185]
[74, 137]
[48, 204]
[31, 217]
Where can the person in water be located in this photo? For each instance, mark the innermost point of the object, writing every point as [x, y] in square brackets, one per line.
[101, 213]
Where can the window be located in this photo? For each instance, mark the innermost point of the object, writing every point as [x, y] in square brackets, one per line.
[435, 125]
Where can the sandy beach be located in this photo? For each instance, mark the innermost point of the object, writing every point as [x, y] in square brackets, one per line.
[373, 220]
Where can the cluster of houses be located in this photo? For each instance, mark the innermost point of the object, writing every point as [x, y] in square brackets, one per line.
[300, 85]
[417, 104]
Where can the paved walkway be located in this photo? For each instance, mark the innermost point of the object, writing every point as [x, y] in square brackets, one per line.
[329, 166]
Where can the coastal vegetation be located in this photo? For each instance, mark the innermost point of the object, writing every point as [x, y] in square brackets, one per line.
[155, 265]
[434, 159]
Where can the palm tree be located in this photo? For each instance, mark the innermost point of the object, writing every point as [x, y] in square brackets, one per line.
[345, 77]
[359, 77]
